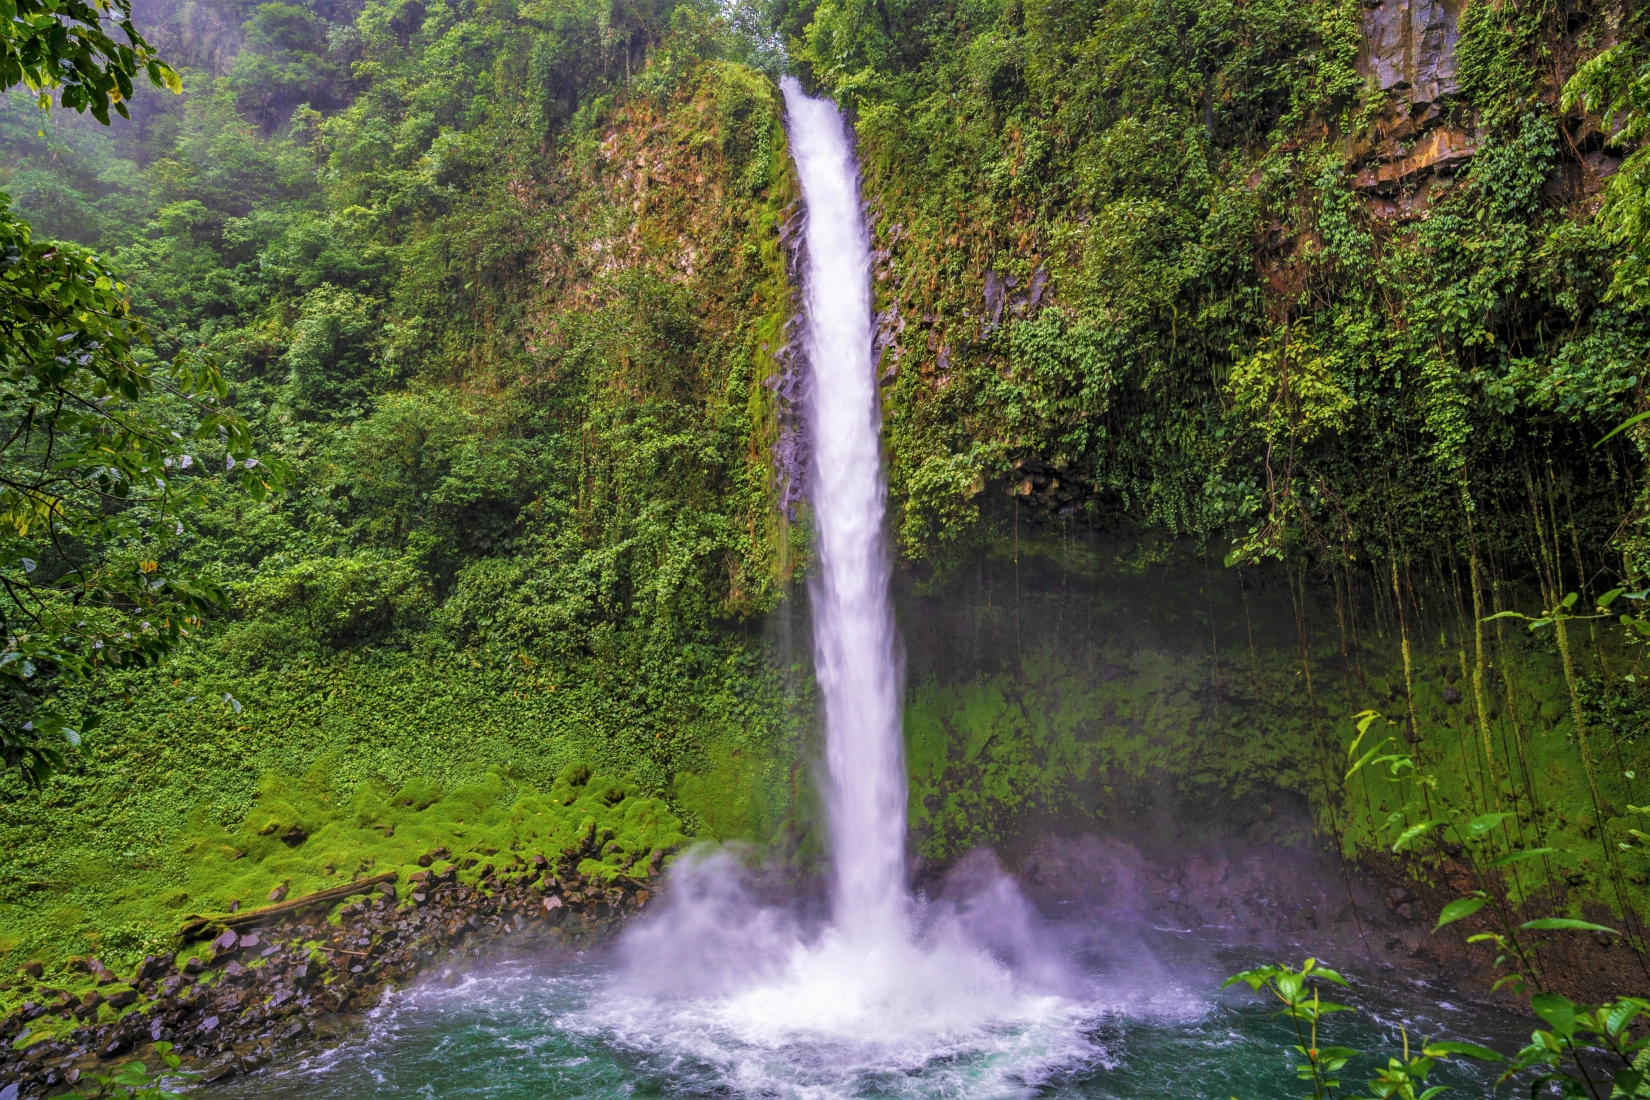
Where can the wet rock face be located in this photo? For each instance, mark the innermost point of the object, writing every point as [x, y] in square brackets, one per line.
[268, 989]
[1048, 491]
[1409, 49]
[1408, 156]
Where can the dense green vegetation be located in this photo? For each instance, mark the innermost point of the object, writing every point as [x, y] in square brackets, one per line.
[501, 290]
[528, 512]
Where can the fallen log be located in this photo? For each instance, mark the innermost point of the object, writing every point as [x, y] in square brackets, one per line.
[196, 924]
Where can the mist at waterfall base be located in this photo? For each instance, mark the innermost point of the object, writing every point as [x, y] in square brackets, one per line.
[546, 1027]
[965, 991]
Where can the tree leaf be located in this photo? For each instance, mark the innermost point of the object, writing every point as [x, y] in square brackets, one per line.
[1459, 908]
[1623, 426]
[1482, 824]
[1558, 1011]
[1366, 756]
[1560, 924]
[1471, 1050]
[1414, 831]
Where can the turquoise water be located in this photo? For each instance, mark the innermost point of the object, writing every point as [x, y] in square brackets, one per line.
[1143, 1017]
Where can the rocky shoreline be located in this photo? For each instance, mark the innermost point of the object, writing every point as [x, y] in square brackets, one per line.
[262, 989]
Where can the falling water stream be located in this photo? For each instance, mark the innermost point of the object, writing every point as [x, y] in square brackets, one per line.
[968, 994]
[854, 649]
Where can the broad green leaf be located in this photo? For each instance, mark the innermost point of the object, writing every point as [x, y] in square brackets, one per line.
[1414, 831]
[1367, 756]
[1459, 908]
[1623, 426]
[1519, 857]
[1482, 824]
[1254, 978]
[1622, 1013]
[1558, 1011]
[1471, 1050]
[1561, 924]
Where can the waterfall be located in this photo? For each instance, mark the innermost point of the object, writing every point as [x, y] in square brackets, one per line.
[855, 655]
[959, 993]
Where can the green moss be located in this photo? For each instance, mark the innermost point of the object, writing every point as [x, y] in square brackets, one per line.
[188, 808]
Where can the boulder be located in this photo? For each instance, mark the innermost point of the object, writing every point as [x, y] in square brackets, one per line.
[153, 966]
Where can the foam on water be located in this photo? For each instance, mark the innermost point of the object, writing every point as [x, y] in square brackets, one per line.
[978, 999]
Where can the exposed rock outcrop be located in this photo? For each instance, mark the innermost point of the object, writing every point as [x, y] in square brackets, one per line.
[259, 991]
[1408, 55]
[1409, 51]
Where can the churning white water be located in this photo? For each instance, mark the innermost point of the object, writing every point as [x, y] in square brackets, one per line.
[960, 996]
[855, 657]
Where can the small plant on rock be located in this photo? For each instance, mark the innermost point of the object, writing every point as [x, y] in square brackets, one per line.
[132, 1080]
